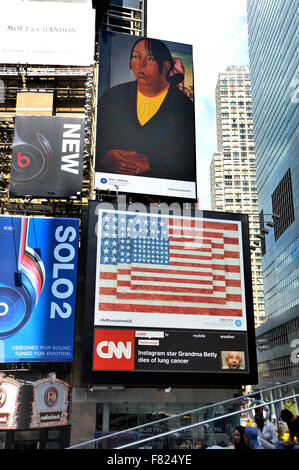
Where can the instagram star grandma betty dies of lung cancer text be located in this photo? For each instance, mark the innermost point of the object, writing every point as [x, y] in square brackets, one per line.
[147, 125]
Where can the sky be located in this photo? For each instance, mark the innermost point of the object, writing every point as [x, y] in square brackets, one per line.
[217, 30]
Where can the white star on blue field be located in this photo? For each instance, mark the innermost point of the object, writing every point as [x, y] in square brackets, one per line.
[134, 239]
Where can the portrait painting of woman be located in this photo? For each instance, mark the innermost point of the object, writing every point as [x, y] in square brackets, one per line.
[146, 126]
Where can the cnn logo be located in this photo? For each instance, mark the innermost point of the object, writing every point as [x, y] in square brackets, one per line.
[114, 350]
[111, 349]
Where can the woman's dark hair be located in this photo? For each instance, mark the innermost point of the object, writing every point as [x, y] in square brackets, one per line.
[286, 415]
[259, 419]
[161, 54]
[241, 444]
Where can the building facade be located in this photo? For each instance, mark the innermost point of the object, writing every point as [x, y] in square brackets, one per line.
[273, 32]
[232, 170]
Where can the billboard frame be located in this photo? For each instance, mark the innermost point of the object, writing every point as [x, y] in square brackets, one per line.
[107, 181]
[44, 27]
[154, 378]
[47, 157]
[38, 289]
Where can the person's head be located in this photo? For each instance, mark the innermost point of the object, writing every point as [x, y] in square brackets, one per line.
[239, 442]
[259, 419]
[286, 416]
[152, 63]
[250, 437]
[233, 360]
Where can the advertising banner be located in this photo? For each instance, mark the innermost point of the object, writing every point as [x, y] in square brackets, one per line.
[47, 156]
[47, 33]
[37, 288]
[171, 293]
[145, 126]
[9, 402]
[50, 403]
[42, 404]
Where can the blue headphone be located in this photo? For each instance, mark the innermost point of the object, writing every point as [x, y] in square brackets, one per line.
[22, 276]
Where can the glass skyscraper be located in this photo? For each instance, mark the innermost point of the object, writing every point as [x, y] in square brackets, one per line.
[273, 32]
[232, 169]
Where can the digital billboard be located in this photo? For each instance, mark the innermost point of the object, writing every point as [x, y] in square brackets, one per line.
[47, 33]
[172, 298]
[145, 139]
[37, 288]
[47, 156]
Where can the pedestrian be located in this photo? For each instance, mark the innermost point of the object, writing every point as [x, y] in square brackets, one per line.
[267, 436]
[251, 438]
[293, 426]
[239, 442]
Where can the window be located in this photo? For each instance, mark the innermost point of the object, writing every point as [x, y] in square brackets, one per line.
[282, 204]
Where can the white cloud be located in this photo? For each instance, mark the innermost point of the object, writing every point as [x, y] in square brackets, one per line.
[218, 32]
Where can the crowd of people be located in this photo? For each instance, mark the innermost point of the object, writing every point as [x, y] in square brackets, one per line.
[263, 434]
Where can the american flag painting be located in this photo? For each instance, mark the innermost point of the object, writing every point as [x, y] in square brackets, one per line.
[155, 270]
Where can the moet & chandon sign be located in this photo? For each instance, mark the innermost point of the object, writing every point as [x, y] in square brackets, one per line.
[48, 33]
[47, 156]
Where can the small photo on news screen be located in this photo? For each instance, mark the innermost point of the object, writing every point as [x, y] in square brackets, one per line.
[172, 297]
[47, 156]
[145, 125]
[37, 288]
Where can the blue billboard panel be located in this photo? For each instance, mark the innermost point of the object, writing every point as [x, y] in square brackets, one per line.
[37, 288]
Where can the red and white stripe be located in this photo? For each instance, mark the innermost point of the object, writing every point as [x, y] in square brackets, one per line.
[203, 276]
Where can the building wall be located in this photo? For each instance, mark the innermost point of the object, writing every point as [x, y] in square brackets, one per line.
[94, 411]
[232, 170]
[273, 32]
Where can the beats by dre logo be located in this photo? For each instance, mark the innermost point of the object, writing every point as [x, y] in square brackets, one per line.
[22, 161]
[114, 349]
[30, 162]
